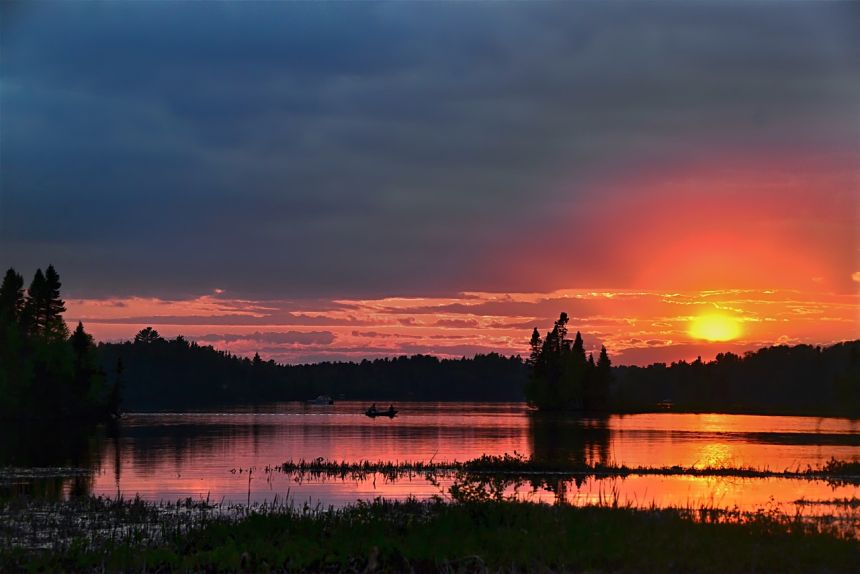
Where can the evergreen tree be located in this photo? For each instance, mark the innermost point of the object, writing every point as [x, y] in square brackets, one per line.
[83, 348]
[13, 359]
[54, 308]
[11, 297]
[560, 375]
[579, 347]
[35, 305]
[147, 336]
[603, 379]
[81, 341]
[603, 362]
[575, 374]
[44, 372]
[535, 345]
[561, 327]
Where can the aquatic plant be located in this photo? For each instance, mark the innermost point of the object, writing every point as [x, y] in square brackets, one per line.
[516, 464]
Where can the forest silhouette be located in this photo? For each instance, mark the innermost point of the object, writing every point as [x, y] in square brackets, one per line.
[46, 372]
[802, 379]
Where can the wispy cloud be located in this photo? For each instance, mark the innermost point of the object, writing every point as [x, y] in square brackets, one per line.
[636, 326]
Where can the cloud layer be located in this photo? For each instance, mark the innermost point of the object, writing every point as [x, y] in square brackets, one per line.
[304, 151]
[638, 327]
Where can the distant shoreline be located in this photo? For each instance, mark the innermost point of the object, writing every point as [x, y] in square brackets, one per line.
[181, 376]
[227, 407]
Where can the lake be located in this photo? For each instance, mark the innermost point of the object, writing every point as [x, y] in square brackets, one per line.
[170, 456]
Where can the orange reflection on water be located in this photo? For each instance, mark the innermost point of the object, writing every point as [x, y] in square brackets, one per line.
[171, 456]
[716, 455]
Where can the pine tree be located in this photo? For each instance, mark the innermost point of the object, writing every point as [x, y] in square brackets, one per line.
[579, 347]
[560, 376]
[11, 297]
[35, 305]
[535, 345]
[561, 327]
[54, 308]
[603, 377]
[603, 361]
[147, 336]
[82, 344]
[44, 371]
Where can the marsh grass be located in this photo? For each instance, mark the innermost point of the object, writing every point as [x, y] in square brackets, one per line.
[482, 527]
[834, 471]
[433, 536]
[838, 502]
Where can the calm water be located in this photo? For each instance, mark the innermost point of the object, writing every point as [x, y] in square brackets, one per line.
[169, 456]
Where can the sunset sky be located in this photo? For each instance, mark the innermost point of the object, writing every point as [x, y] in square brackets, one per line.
[340, 181]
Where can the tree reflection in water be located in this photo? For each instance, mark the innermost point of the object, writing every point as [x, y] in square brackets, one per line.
[554, 439]
[51, 461]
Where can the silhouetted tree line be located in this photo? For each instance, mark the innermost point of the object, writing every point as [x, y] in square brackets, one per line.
[177, 373]
[779, 379]
[44, 371]
[560, 375]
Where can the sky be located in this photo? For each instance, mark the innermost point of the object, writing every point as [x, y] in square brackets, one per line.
[329, 181]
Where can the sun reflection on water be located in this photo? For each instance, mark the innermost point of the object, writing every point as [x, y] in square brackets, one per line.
[716, 455]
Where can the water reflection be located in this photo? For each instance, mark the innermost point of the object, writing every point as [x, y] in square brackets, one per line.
[558, 438]
[50, 461]
[570, 439]
[175, 456]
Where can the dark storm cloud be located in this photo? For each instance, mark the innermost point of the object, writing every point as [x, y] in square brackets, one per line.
[330, 149]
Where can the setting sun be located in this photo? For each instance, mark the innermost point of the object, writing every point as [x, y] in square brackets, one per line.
[715, 328]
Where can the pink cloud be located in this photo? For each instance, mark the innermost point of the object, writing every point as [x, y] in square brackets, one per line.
[637, 327]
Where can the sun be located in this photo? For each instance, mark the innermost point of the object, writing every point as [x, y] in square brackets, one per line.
[715, 328]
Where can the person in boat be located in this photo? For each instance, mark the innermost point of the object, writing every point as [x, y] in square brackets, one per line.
[372, 408]
[391, 409]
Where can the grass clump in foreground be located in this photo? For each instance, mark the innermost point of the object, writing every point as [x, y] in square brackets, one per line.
[471, 537]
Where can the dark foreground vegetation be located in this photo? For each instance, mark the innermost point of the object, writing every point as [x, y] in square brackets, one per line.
[45, 372]
[442, 537]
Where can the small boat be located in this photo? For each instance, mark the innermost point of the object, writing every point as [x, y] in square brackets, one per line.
[373, 413]
[321, 400]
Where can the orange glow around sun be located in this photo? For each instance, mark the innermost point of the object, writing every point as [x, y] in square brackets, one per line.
[713, 327]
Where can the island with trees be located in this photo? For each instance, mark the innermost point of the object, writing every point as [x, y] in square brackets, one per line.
[560, 375]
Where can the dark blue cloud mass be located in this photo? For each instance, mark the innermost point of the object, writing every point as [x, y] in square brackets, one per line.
[326, 149]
